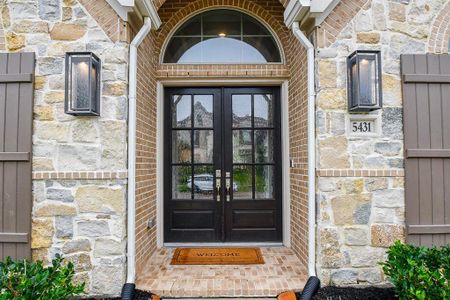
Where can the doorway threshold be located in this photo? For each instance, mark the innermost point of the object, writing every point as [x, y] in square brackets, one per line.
[220, 245]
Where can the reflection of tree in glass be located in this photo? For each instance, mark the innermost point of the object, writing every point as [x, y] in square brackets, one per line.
[181, 108]
[184, 149]
[263, 111]
[242, 175]
[260, 147]
[183, 175]
[260, 180]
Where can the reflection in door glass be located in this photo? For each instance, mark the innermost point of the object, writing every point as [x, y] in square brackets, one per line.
[181, 176]
[203, 186]
[264, 176]
[203, 146]
[242, 182]
[263, 146]
[242, 146]
[181, 146]
[263, 110]
[181, 111]
[203, 110]
[242, 110]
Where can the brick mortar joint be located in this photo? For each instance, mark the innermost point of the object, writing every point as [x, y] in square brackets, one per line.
[77, 175]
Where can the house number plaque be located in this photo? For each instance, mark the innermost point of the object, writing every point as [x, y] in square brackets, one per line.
[363, 125]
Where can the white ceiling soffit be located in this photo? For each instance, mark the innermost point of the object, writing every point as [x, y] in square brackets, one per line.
[304, 10]
[142, 8]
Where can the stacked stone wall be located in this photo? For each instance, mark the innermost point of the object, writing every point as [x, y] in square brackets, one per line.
[79, 163]
[360, 192]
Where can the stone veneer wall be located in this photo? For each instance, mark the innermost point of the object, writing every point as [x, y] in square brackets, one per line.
[360, 192]
[79, 163]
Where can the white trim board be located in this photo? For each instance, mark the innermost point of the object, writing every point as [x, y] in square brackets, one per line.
[286, 215]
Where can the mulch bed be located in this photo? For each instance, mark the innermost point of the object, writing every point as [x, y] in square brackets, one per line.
[351, 293]
[326, 293]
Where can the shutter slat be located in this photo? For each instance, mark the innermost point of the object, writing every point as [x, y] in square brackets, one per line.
[426, 78]
[14, 156]
[428, 153]
[16, 78]
[428, 229]
[14, 237]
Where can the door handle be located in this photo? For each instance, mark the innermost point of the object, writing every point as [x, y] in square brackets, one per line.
[218, 184]
[228, 185]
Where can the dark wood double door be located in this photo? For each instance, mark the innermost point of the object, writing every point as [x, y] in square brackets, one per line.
[222, 165]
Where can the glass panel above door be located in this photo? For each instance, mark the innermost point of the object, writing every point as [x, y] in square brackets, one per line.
[222, 36]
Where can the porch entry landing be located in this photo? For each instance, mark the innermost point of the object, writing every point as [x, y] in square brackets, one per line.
[282, 271]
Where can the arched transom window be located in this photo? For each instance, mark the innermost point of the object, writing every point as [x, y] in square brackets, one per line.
[222, 36]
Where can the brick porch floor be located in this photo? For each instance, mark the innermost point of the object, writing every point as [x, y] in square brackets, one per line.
[282, 271]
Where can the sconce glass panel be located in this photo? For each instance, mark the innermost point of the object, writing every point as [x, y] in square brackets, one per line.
[364, 81]
[82, 84]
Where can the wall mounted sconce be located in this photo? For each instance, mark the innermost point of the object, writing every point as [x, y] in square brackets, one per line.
[364, 81]
[82, 95]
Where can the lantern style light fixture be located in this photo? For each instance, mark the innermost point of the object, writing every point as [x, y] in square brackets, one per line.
[364, 81]
[82, 97]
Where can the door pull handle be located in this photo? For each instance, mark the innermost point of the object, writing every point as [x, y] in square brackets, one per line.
[228, 185]
[218, 185]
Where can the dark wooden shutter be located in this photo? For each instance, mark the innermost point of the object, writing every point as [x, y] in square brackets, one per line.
[16, 119]
[426, 101]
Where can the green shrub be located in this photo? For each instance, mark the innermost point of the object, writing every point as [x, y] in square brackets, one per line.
[419, 272]
[32, 281]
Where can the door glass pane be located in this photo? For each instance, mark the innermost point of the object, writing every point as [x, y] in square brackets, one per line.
[203, 182]
[263, 111]
[263, 146]
[264, 182]
[242, 182]
[203, 111]
[181, 180]
[181, 146]
[242, 146]
[181, 111]
[203, 146]
[242, 110]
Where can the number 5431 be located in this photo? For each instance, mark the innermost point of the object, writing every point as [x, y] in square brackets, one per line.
[362, 127]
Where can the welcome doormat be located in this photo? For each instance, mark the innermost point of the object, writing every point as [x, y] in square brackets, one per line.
[217, 256]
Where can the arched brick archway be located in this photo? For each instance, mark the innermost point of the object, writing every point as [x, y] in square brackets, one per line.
[173, 20]
[440, 32]
[159, 3]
